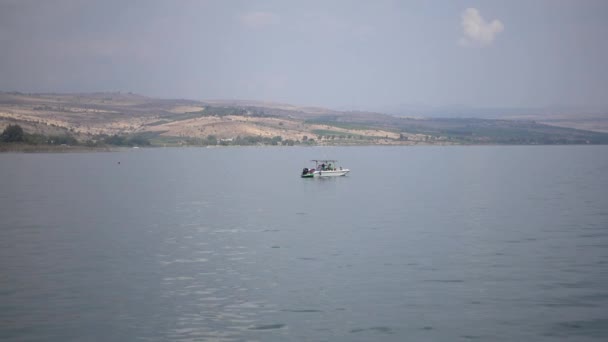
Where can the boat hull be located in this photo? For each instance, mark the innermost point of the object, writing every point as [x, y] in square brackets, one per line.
[333, 173]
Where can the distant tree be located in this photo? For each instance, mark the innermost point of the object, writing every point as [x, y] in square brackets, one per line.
[276, 140]
[91, 143]
[35, 139]
[12, 133]
[114, 140]
[62, 140]
[211, 140]
[138, 140]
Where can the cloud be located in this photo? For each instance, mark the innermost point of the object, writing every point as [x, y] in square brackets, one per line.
[258, 19]
[476, 30]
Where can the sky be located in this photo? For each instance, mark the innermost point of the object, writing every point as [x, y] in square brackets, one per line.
[338, 54]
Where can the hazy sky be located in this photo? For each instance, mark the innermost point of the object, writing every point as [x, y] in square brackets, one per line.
[342, 54]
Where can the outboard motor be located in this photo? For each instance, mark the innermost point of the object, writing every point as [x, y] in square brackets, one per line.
[305, 171]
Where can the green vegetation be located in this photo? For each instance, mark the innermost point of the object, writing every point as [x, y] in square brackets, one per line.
[119, 140]
[253, 140]
[210, 111]
[325, 132]
[464, 131]
[12, 133]
[206, 112]
[248, 140]
[332, 121]
[329, 135]
[213, 111]
[15, 134]
[244, 141]
[62, 140]
[475, 131]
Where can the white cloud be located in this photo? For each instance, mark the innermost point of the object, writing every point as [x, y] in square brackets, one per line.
[258, 19]
[477, 31]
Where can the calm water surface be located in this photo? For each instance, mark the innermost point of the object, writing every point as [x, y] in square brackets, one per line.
[229, 244]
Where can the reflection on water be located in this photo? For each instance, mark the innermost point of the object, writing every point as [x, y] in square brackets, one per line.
[431, 244]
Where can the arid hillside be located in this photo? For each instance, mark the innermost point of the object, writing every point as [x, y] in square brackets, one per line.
[89, 116]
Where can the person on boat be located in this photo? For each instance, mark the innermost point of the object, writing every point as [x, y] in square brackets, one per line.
[323, 166]
[329, 167]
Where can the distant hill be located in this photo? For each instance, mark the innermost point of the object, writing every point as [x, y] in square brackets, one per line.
[586, 118]
[89, 116]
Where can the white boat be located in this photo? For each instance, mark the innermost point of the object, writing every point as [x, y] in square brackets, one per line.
[324, 168]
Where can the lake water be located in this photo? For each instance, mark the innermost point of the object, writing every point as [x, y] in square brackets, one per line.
[230, 244]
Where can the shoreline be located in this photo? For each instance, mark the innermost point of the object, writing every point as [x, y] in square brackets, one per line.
[21, 148]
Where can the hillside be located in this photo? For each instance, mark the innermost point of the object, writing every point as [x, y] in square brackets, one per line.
[87, 117]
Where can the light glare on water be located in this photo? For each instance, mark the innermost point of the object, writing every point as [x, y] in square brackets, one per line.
[423, 243]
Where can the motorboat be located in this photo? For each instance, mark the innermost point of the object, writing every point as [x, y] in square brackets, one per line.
[324, 168]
